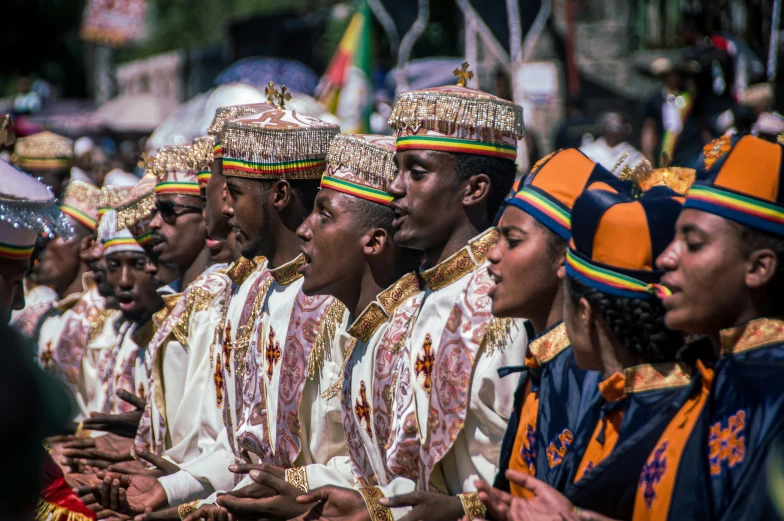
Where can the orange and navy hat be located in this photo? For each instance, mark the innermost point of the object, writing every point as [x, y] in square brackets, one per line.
[549, 191]
[616, 239]
[740, 178]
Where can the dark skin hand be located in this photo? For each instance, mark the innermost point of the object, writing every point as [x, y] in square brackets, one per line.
[334, 504]
[124, 424]
[256, 490]
[168, 514]
[282, 506]
[210, 513]
[97, 452]
[131, 494]
[427, 506]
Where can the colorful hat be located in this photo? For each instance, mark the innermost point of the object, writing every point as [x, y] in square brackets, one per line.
[172, 167]
[616, 239]
[224, 114]
[116, 240]
[361, 165]
[457, 119]
[80, 202]
[740, 179]
[276, 143]
[200, 158]
[44, 151]
[27, 208]
[136, 212]
[110, 197]
[549, 191]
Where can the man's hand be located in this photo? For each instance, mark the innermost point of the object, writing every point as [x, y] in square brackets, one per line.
[210, 513]
[124, 424]
[165, 466]
[427, 506]
[256, 490]
[282, 506]
[129, 493]
[97, 452]
[81, 480]
[547, 503]
[168, 514]
[334, 503]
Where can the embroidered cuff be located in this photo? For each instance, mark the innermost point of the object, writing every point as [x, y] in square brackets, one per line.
[187, 509]
[378, 512]
[473, 506]
[298, 477]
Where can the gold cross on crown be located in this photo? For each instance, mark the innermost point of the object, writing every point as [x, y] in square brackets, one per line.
[463, 74]
[277, 97]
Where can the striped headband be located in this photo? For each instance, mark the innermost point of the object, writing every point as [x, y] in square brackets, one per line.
[356, 189]
[55, 163]
[608, 280]
[204, 177]
[80, 217]
[15, 252]
[178, 187]
[278, 168]
[217, 151]
[144, 238]
[116, 242]
[736, 207]
[462, 146]
[549, 212]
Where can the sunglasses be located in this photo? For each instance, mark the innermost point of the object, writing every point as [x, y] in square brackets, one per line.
[168, 211]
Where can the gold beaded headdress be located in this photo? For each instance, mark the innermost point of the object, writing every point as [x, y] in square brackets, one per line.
[44, 151]
[276, 144]
[361, 165]
[200, 158]
[173, 169]
[136, 211]
[224, 114]
[80, 202]
[457, 119]
[110, 197]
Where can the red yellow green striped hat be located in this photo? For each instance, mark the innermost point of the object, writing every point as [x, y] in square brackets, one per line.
[44, 151]
[361, 165]
[457, 119]
[201, 158]
[740, 178]
[224, 114]
[616, 239]
[80, 203]
[548, 192]
[172, 167]
[276, 144]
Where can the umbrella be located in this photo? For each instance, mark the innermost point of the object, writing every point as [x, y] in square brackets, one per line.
[258, 70]
[135, 112]
[184, 124]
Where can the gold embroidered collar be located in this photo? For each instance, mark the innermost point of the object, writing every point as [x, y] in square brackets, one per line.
[461, 263]
[651, 377]
[754, 334]
[242, 268]
[383, 307]
[546, 346]
[68, 302]
[88, 281]
[289, 272]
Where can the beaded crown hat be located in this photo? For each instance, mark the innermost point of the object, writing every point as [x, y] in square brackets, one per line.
[361, 165]
[116, 240]
[80, 202]
[740, 178]
[27, 209]
[44, 151]
[458, 119]
[548, 192]
[200, 158]
[110, 197]
[173, 170]
[616, 239]
[276, 143]
[135, 213]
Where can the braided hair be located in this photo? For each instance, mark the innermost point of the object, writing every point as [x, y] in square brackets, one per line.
[638, 324]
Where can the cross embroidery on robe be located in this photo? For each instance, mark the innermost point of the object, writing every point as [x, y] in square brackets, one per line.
[528, 449]
[218, 377]
[227, 346]
[424, 364]
[652, 473]
[727, 443]
[362, 410]
[272, 354]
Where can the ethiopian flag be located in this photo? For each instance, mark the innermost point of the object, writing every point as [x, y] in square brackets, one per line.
[346, 87]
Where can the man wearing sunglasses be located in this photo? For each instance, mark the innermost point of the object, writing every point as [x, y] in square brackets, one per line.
[178, 230]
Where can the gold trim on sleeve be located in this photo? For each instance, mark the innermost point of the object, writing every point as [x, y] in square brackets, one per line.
[377, 511]
[298, 477]
[473, 506]
[187, 509]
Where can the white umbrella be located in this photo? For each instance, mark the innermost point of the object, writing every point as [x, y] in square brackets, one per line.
[135, 112]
